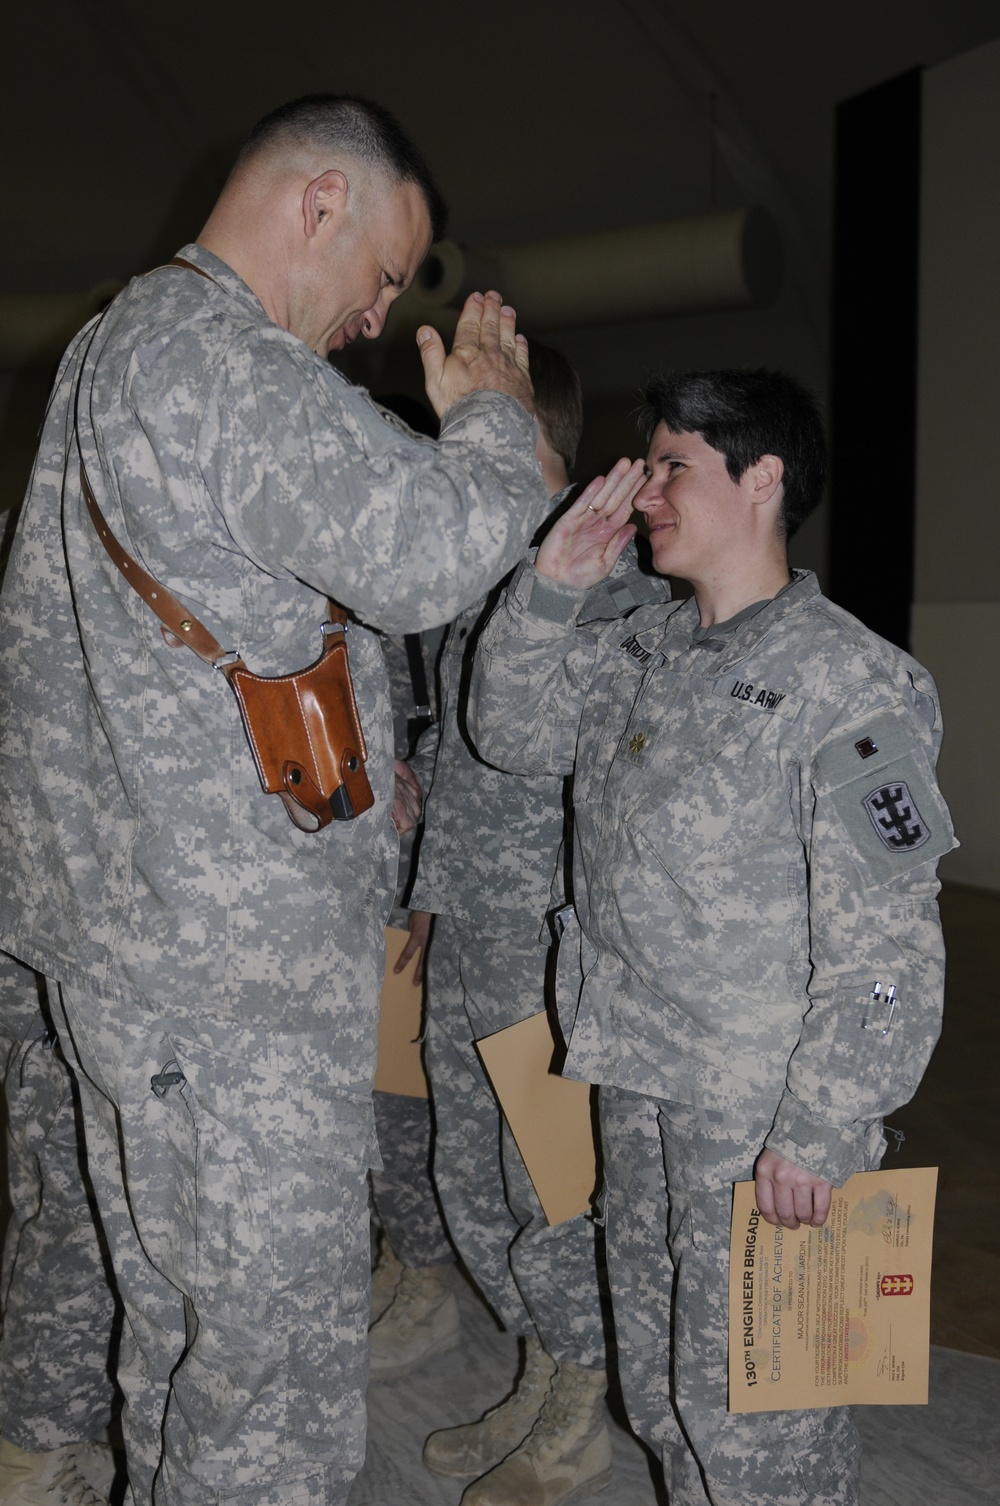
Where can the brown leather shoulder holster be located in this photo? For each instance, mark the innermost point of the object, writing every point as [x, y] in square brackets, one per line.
[303, 728]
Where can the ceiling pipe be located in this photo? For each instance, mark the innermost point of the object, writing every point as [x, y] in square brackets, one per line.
[702, 265]
[35, 328]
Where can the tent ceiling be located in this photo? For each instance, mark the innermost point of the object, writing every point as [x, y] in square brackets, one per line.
[539, 119]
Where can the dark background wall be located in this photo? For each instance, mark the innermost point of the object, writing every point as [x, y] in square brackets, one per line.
[119, 120]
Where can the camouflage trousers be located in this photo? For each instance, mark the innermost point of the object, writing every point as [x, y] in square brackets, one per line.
[403, 1192]
[55, 1291]
[232, 1183]
[538, 1279]
[669, 1170]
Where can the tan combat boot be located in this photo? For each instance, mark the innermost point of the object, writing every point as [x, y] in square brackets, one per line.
[474, 1447]
[421, 1320]
[567, 1454]
[385, 1278]
[78, 1474]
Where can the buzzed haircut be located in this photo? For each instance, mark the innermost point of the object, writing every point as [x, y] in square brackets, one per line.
[558, 399]
[354, 127]
[746, 414]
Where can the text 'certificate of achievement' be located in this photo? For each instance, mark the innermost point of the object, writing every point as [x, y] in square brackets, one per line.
[837, 1315]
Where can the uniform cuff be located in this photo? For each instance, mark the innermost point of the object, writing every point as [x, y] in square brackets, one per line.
[827, 1150]
[547, 599]
[491, 414]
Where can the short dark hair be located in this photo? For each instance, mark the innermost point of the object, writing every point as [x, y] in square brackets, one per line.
[744, 415]
[558, 399]
[358, 128]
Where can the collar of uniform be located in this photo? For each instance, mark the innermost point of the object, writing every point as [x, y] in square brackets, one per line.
[804, 587]
[220, 272]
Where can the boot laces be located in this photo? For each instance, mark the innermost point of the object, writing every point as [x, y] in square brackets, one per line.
[561, 1415]
[413, 1298]
[411, 1283]
[70, 1486]
[530, 1393]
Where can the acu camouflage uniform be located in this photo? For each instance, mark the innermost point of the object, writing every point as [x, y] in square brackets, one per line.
[218, 969]
[403, 1192]
[757, 829]
[489, 869]
[56, 1295]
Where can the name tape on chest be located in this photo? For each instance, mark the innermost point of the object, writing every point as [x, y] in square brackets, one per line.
[635, 650]
[747, 694]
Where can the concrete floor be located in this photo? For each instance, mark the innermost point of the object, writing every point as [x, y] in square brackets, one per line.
[946, 1454]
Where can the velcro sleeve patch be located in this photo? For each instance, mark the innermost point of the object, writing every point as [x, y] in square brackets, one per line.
[880, 784]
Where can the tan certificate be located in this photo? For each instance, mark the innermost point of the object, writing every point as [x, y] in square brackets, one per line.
[399, 1067]
[841, 1314]
[549, 1115]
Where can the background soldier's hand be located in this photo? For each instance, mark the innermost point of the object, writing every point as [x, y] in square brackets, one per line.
[788, 1194]
[407, 799]
[487, 355]
[582, 546]
[420, 930]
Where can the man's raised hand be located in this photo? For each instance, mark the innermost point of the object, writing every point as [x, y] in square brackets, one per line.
[487, 355]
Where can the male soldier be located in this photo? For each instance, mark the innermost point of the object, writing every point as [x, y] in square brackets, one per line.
[423, 1318]
[214, 969]
[487, 867]
[412, 1236]
[413, 1240]
[757, 828]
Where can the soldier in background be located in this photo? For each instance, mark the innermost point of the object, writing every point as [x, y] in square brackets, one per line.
[413, 1242]
[757, 827]
[488, 864]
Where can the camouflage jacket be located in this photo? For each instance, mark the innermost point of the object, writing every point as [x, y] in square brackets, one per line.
[757, 830]
[490, 854]
[140, 854]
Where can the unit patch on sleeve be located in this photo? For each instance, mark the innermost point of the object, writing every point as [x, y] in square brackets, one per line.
[893, 813]
[884, 794]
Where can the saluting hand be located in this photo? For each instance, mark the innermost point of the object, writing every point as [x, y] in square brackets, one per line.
[582, 546]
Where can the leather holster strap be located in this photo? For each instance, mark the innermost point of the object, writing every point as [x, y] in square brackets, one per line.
[183, 624]
[185, 627]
